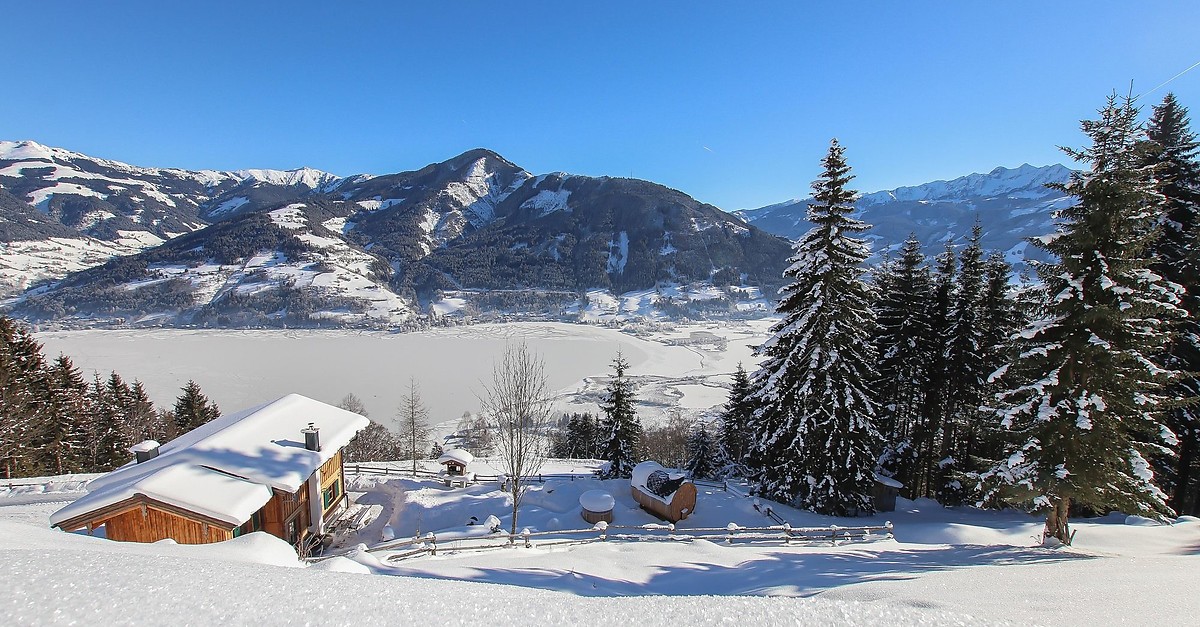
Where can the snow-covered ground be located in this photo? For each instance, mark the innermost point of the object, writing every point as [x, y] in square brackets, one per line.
[945, 566]
[240, 369]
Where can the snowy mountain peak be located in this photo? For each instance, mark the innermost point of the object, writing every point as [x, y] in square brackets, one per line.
[27, 149]
[1023, 180]
[305, 177]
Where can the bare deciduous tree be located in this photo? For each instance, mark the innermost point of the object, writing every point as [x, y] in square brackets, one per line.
[517, 407]
[414, 423]
[375, 443]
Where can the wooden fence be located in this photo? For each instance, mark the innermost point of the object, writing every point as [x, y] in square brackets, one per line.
[430, 544]
[355, 468]
[782, 532]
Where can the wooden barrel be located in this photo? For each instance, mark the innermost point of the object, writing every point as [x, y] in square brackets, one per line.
[681, 505]
[596, 505]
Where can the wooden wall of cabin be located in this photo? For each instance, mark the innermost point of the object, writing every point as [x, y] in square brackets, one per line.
[150, 524]
[332, 471]
[284, 508]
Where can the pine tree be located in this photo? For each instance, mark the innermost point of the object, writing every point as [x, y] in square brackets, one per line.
[733, 435]
[966, 371]
[23, 396]
[815, 440]
[904, 345]
[128, 431]
[1082, 397]
[1176, 168]
[1002, 316]
[927, 432]
[581, 437]
[193, 408]
[702, 453]
[620, 424]
[102, 432]
[63, 443]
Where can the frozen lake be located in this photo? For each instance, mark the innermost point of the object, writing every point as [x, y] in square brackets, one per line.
[240, 369]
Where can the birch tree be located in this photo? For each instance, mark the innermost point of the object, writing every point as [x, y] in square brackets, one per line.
[517, 408]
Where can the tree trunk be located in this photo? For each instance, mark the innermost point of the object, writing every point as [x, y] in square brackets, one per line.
[1057, 521]
[516, 483]
[1183, 477]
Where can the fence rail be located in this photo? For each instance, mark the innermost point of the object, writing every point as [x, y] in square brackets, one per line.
[430, 543]
[780, 532]
[356, 468]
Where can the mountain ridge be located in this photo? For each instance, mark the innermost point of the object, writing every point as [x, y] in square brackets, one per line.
[1010, 203]
[304, 247]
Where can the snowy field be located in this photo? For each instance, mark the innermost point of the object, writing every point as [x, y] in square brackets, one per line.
[945, 566]
[682, 368]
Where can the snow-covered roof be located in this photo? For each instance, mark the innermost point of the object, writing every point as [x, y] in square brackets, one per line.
[225, 469]
[641, 474]
[597, 501]
[888, 481]
[145, 446]
[459, 455]
[642, 471]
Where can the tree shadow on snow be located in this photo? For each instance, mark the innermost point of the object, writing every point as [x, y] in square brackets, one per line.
[780, 573]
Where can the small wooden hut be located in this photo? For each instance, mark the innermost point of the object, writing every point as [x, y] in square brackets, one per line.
[666, 493]
[275, 468]
[455, 461]
[884, 493]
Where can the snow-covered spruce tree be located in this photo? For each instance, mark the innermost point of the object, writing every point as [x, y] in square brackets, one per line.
[1002, 317]
[1083, 397]
[702, 462]
[927, 433]
[581, 436]
[966, 373]
[620, 426]
[23, 396]
[902, 342]
[815, 442]
[62, 441]
[733, 438]
[1173, 154]
[193, 408]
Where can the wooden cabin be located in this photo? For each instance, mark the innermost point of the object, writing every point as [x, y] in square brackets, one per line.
[666, 493]
[275, 468]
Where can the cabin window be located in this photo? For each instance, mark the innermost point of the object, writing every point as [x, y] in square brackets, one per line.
[250, 526]
[332, 493]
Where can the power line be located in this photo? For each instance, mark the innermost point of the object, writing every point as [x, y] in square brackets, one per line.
[1158, 86]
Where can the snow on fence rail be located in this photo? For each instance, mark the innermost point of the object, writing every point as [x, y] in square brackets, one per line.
[356, 468]
[430, 544]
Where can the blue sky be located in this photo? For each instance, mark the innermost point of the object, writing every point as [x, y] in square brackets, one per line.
[733, 103]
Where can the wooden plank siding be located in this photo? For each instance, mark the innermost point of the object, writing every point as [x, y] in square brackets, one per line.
[284, 508]
[141, 519]
[149, 523]
[331, 472]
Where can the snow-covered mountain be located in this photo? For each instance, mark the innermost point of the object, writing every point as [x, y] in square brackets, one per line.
[100, 198]
[62, 211]
[304, 247]
[1010, 203]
